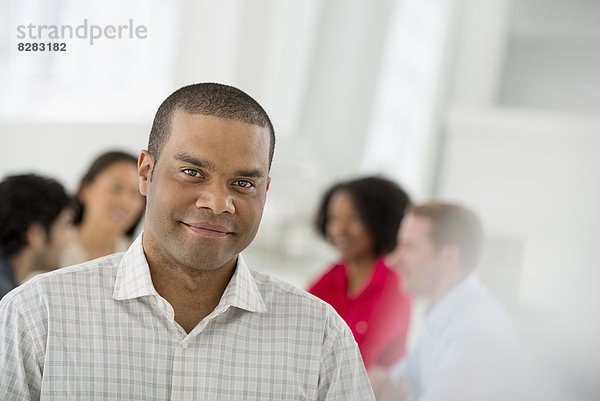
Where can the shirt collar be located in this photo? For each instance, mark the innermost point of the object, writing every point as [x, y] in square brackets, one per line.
[133, 281]
[242, 291]
[374, 283]
[133, 275]
[442, 312]
[377, 280]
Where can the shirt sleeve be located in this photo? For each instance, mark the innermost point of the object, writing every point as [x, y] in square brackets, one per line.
[21, 357]
[342, 373]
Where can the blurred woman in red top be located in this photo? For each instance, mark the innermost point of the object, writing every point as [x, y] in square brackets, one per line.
[361, 219]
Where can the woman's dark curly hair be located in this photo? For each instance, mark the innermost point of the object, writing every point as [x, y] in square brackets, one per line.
[380, 203]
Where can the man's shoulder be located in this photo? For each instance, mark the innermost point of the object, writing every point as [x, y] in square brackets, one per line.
[273, 288]
[483, 316]
[90, 278]
[282, 297]
[104, 267]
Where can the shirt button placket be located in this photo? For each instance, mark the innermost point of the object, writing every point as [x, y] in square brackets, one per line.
[179, 370]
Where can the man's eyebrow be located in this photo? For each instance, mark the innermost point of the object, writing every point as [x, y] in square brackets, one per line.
[256, 173]
[184, 157]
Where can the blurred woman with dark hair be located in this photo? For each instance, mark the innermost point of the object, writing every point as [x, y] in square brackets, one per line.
[361, 219]
[110, 208]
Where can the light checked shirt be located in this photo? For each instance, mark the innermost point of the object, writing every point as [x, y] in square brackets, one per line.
[467, 351]
[100, 331]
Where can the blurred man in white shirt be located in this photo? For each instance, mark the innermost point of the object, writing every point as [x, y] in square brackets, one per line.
[467, 350]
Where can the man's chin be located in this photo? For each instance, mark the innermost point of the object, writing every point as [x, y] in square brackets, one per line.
[206, 264]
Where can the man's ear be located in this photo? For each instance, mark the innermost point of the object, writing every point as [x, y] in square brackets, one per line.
[37, 237]
[268, 182]
[145, 169]
[450, 254]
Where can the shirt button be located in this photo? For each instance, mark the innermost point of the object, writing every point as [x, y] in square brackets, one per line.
[160, 304]
[361, 327]
[184, 345]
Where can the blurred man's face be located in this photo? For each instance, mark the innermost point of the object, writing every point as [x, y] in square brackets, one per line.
[415, 256]
[60, 234]
[206, 193]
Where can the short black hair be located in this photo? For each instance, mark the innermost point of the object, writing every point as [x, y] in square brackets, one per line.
[24, 200]
[381, 205]
[211, 99]
[101, 163]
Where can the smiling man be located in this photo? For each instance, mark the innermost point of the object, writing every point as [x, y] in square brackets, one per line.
[180, 316]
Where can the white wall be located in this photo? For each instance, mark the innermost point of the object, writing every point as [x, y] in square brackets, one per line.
[64, 150]
[521, 147]
[533, 175]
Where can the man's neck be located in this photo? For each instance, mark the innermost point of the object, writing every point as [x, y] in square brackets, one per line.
[22, 264]
[192, 293]
[359, 271]
[444, 286]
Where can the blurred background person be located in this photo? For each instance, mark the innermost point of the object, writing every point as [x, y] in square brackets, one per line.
[361, 218]
[468, 349]
[35, 225]
[110, 208]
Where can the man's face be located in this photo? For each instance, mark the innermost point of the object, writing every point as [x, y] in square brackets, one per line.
[415, 256]
[206, 193]
[47, 256]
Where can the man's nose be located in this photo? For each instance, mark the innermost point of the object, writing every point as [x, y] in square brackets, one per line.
[217, 198]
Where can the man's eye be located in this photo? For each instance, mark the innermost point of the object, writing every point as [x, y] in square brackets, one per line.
[192, 172]
[244, 183]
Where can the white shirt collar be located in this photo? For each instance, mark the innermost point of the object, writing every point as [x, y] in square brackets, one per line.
[133, 280]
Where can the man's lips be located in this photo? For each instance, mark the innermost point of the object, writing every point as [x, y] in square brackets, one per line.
[208, 229]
